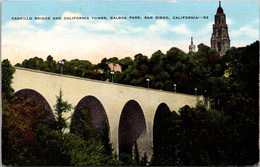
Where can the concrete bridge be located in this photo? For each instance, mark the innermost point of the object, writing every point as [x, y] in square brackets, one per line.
[130, 110]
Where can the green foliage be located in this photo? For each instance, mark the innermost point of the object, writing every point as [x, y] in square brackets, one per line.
[210, 137]
[50, 64]
[49, 150]
[144, 160]
[84, 152]
[126, 159]
[34, 63]
[125, 62]
[81, 123]
[80, 68]
[136, 154]
[7, 76]
[31, 140]
[19, 117]
[96, 140]
[104, 137]
[60, 108]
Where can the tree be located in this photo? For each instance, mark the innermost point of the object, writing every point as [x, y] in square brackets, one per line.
[19, 116]
[104, 136]
[113, 60]
[34, 63]
[60, 108]
[81, 123]
[50, 64]
[125, 62]
[7, 76]
[50, 149]
[30, 139]
[144, 160]
[98, 147]
[136, 154]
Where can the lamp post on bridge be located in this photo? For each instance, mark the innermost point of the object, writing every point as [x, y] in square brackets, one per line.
[112, 73]
[174, 87]
[61, 62]
[196, 95]
[148, 80]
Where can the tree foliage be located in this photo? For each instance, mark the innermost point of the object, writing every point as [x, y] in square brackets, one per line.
[209, 137]
[19, 117]
[31, 139]
[61, 107]
[7, 76]
[136, 154]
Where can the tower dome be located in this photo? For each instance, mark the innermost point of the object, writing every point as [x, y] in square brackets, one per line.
[220, 10]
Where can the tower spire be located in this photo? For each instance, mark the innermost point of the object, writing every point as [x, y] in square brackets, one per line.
[219, 3]
[192, 48]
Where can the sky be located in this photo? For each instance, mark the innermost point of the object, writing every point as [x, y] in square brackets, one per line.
[94, 39]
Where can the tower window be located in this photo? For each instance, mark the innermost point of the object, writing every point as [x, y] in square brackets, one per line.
[219, 33]
[219, 47]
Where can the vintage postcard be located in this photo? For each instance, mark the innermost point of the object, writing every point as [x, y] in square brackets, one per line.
[117, 82]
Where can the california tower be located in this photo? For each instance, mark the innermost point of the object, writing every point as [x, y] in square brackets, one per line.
[220, 40]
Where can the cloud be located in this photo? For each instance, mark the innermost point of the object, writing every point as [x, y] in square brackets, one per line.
[19, 24]
[203, 35]
[181, 29]
[256, 21]
[89, 40]
[80, 39]
[64, 43]
[246, 30]
[39, 21]
[160, 26]
[229, 21]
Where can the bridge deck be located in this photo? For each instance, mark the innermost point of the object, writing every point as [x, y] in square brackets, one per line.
[103, 82]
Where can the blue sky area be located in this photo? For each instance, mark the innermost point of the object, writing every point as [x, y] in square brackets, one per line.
[96, 39]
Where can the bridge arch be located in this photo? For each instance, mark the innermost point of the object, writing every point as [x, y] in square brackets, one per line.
[131, 126]
[161, 136]
[97, 112]
[37, 97]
